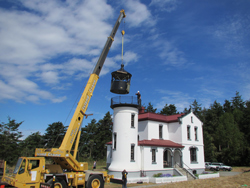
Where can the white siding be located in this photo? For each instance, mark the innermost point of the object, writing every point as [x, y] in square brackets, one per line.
[186, 121]
[126, 136]
[175, 132]
[147, 162]
[143, 130]
[153, 130]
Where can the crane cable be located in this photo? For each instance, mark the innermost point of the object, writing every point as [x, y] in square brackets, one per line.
[123, 32]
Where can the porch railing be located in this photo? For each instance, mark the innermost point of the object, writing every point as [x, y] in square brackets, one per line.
[187, 170]
[167, 164]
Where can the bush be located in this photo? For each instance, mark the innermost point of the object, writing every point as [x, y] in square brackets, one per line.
[157, 175]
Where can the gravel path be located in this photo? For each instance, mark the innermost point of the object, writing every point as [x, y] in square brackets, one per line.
[225, 173]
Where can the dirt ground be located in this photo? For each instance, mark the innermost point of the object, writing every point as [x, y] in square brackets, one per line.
[240, 180]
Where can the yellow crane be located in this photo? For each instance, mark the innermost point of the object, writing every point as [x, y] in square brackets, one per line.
[33, 172]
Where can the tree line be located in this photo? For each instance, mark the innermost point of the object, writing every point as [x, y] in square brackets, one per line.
[226, 129]
[93, 138]
[226, 133]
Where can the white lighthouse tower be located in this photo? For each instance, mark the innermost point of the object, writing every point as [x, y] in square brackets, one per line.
[124, 136]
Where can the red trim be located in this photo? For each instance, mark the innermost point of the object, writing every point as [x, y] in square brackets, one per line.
[160, 143]
[156, 142]
[159, 117]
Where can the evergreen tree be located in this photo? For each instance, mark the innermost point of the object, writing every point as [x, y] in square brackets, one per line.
[229, 140]
[169, 110]
[227, 107]
[33, 141]
[196, 108]
[237, 102]
[9, 141]
[94, 137]
[103, 135]
[211, 117]
[246, 121]
[150, 108]
[210, 150]
[54, 135]
[245, 129]
[86, 145]
[186, 111]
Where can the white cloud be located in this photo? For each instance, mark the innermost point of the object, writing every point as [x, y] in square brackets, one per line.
[233, 34]
[35, 33]
[179, 99]
[170, 54]
[130, 56]
[165, 5]
[183, 100]
[138, 14]
[80, 68]
[50, 77]
[115, 62]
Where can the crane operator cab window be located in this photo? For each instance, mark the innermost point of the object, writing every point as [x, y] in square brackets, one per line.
[22, 167]
[35, 164]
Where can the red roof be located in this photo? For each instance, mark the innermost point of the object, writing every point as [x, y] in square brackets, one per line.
[159, 117]
[156, 142]
[160, 143]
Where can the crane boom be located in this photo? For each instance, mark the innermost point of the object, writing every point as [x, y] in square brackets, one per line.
[62, 155]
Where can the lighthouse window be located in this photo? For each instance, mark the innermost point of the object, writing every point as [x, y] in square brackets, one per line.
[114, 147]
[132, 120]
[132, 152]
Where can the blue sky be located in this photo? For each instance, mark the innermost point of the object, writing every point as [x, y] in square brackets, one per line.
[176, 50]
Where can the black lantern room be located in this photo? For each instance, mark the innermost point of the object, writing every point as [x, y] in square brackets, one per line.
[120, 82]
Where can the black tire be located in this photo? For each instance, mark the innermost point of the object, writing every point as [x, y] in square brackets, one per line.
[95, 181]
[212, 169]
[58, 183]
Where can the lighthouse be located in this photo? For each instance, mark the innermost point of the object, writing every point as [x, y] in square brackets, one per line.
[124, 154]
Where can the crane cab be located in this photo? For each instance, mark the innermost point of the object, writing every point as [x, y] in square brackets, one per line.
[120, 82]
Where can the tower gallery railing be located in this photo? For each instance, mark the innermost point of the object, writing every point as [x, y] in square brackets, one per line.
[124, 101]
